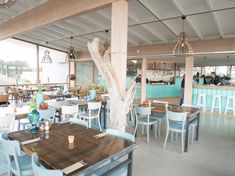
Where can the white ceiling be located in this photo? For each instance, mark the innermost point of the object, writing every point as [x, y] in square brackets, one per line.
[150, 22]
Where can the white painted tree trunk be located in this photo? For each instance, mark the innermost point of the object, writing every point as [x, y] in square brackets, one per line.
[119, 104]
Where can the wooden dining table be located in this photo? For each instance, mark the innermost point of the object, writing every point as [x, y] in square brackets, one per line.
[106, 153]
[193, 114]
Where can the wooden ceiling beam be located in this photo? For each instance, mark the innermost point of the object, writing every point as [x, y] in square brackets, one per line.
[48, 12]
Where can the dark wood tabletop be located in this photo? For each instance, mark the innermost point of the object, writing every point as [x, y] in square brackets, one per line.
[160, 108]
[57, 153]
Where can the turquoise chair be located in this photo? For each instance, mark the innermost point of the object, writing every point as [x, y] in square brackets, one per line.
[121, 134]
[18, 163]
[175, 122]
[122, 171]
[3, 158]
[40, 170]
[79, 122]
[48, 114]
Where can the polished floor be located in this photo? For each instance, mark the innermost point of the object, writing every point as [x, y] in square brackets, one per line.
[212, 155]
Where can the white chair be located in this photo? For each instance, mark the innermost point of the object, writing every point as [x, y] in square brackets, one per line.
[160, 116]
[144, 119]
[39, 170]
[79, 122]
[71, 99]
[71, 111]
[216, 97]
[19, 164]
[227, 107]
[172, 125]
[7, 122]
[192, 126]
[25, 121]
[201, 101]
[93, 113]
[47, 114]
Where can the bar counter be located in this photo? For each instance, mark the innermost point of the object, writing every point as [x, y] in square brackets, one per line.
[210, 90]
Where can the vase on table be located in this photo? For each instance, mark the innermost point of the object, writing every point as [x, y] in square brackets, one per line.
[34, 120]
[39, 98]
[92, 94]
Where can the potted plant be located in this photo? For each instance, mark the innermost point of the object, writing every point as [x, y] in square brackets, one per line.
[92, 92]
[34, 115]
[226, 79]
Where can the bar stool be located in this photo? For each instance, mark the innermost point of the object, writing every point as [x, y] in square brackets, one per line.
[201, 101]
[214, 101]
[227, 107]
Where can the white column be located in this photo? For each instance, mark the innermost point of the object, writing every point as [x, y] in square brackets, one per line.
[119, 41]
[188, 89]
[143, 80]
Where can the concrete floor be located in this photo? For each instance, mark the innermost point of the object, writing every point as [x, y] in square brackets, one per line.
[212, 155]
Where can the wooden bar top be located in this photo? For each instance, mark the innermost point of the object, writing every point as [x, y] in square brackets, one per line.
[57, 153]
[214, 87]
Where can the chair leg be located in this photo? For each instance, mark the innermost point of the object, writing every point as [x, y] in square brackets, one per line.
[192, 137]
[142, 129]
[182, 142]
[147, 127]
[167, 133]
[99, 124]
[171, 136]
[155, 130]
[176, 136]
[159, 127]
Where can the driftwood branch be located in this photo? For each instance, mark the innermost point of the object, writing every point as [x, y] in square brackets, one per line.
[119, 104]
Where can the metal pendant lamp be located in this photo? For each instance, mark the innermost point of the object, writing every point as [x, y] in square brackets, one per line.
[106, 44]
[72, 53]
[6, 3]
[46, 58]
[182, 47]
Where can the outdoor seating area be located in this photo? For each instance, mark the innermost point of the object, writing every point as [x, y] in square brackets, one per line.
[117, 88]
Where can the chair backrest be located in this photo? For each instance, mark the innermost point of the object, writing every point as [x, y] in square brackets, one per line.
[143, 111]
[121, 134]
[42, 171]
[175, 117]
[71, 99]
[69, 110]
[12, 151]
[189, 106]
[4, 136]
[48, 114]
[79, 122]
[94, 107]
[7, 122]
[161, 102]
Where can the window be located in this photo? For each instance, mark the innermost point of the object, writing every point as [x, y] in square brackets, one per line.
[55, 72]
[17, 62]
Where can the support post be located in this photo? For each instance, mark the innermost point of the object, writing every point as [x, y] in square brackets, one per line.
[188, 88]
[119, 51]
[143, 80]
[38, 66]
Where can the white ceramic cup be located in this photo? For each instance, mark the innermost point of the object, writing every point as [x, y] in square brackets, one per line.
[71, 138]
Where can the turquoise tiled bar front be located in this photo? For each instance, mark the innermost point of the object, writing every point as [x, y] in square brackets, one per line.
[224, 91]
[154, 90]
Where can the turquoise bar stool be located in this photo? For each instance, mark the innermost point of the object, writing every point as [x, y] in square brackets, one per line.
[228, 107]
[18, 163]
[39, 170]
